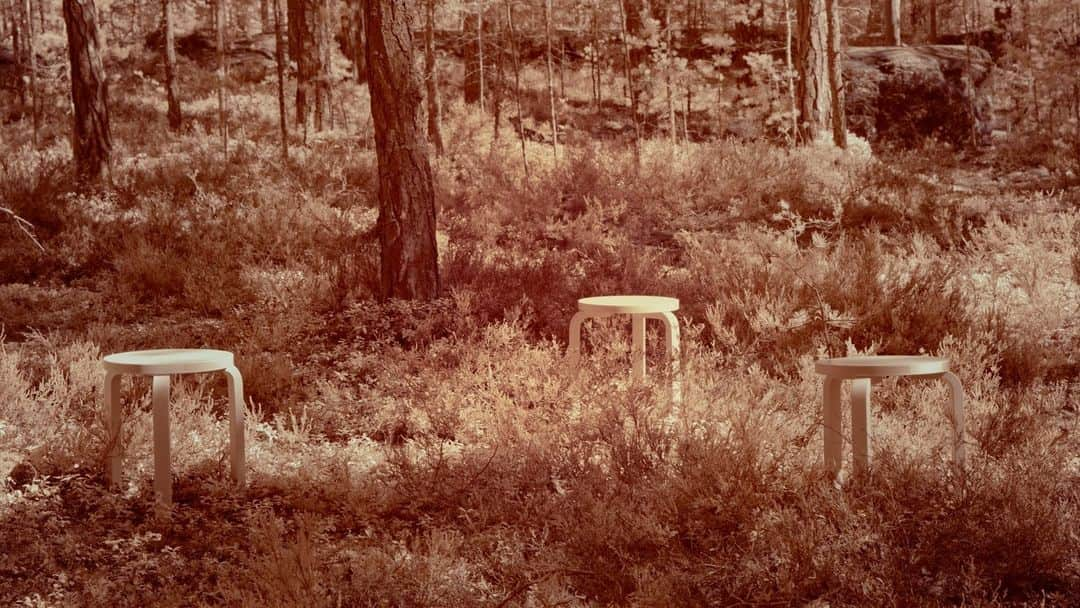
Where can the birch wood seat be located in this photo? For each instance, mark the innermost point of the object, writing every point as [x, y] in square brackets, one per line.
[860, 370]
[160, 364]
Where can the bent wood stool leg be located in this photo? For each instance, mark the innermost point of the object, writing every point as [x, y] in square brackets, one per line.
[959, 451]
[832, 425]
[573, 351]
[637, 351]
[114, 411]
[236, 426]
[671, 338]
[860, 423]
[162, 467]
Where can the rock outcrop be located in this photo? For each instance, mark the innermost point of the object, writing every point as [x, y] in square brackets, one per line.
[903, 95]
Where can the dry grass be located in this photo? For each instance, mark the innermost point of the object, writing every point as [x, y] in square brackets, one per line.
[438, 455]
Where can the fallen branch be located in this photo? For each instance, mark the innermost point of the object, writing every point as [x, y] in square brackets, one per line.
[26, 227]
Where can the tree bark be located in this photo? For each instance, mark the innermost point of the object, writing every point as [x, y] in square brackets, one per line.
[301, 40]
[223, 124]
[836, 83]
[550, 81]
[431, 79]
[625, 23]
[91, 141]
[357, 29]
[169, 56]
[264, 15]
[406, 224]
[811, 63]
[324, 91]
[35, 101]
[517, 84]
[891, 21]
[279, 59]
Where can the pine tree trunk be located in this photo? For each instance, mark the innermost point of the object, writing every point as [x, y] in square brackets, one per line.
[169, 56]
[891, 21]
[790, 68]
[91, 140]
[874, 16]
[431, 79]
[223, 124]
[359, 62]
[406, 225]
[17, 50]
[836, 83]
[32, 63]
[323, 85]
[625, 22]
[264, 15]
[517, 85]
[279, 59]
[813, 68]
[933, 21]
[301, 39]
[550, 81]
[480, 49]
[672, 129]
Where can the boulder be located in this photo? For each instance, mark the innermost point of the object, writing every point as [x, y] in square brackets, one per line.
[904, 95]
[249, 58]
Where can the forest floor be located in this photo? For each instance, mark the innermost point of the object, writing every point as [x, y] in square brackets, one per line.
[439, 454]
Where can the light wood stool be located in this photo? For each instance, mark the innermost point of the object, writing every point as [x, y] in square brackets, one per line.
[160, 364]
[860, 370]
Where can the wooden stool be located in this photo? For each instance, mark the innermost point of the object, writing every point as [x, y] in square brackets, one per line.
[639, 308]
[160, 364]
[860, 370]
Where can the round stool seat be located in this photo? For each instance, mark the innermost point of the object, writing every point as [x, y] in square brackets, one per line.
[880, 366]
[628, 304]
[167, 361]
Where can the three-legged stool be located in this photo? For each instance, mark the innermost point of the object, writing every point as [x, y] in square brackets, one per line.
[639, 308]
[860, 370]
[160, 364]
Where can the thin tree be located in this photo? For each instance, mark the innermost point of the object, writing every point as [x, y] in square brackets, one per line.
[169, 57]
[223, 125]
[406, 224]
[550, 81]
[91, 139]
[790, 67]
[836, 83]
[431, 79]
[624, 25]
[517, 84]
[812, 92]
[890, 21]
[667, 76]
[32, 62]
[264, 15]
[279, 59]
[324, 90]
[480, 47]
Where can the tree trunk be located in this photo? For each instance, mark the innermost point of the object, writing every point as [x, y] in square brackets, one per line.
[264, 15]
[891, 21]
[667, 77]
[517, 85]
[933, 21]
[812, 65]
[32, 64]
[790, 68]
[91, 141]
[624, 22]
[169, 56]
[406, 224]
[279, 59]
[301, 41]
[480, 49]
[359, 62]
[431, 79]
[836, 83]
[223, 124]
[874, 16]
[17, 49]
[324, 91]
[550, 81]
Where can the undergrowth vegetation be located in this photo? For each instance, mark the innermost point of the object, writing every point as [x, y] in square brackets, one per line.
[441, 454]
